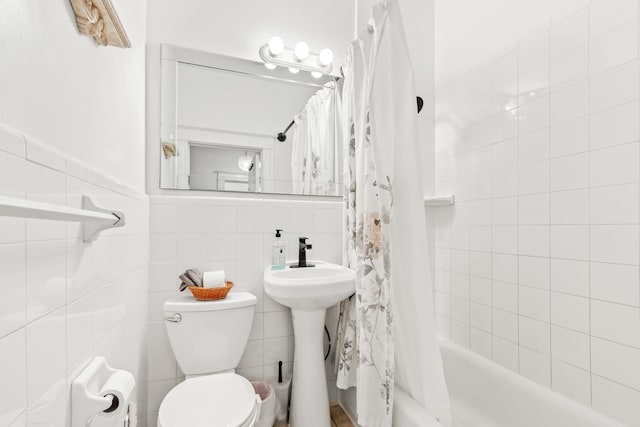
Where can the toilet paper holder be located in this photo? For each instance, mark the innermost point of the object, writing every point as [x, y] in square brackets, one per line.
[87, 398]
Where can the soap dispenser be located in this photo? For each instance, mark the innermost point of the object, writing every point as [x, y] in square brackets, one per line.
[278, 257]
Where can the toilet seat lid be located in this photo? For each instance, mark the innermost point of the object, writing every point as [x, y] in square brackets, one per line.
[219, 400]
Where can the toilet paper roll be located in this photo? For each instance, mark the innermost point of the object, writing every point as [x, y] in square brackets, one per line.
[120, 385]
[214, 279]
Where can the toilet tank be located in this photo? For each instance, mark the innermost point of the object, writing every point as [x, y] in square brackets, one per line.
[209, 336]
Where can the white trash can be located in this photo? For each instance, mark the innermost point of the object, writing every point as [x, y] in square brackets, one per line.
[269, 406]
[283, 392]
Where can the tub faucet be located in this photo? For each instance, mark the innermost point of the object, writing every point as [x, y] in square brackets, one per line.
[302, 253]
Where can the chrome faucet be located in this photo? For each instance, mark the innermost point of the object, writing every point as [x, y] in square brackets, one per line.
[302, 253]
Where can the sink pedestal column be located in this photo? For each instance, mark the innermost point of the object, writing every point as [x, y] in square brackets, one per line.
[309, 395]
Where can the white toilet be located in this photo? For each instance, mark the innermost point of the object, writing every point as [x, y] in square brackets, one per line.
[208, 339]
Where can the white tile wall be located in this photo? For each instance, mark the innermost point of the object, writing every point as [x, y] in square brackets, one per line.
[62, 301]
[551, 286]
[236, 235]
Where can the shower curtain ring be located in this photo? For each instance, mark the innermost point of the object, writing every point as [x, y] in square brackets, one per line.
[386, 4]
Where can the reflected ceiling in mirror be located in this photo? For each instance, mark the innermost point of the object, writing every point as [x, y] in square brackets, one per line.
[221, 118]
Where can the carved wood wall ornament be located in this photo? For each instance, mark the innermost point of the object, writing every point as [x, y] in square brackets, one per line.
[99, 20]
[169, 149]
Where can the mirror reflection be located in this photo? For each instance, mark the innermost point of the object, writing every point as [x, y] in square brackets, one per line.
[229, 124]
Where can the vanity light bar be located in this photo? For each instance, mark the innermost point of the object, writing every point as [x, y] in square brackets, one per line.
[299, 58]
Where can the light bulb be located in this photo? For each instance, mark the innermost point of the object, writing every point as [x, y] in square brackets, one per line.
[316, 74]
[294, 70]
[325, 57]
[301, 50]
[270, 66]
[245, 162]
[276, 45]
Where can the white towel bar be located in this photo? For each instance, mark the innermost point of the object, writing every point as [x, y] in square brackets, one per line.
[440, 200]
[93, 218]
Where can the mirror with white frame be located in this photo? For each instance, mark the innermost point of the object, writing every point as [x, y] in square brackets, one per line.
[231, 124]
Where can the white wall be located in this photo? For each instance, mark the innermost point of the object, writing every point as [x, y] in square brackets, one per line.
[494, 24]
[213, 233]
[240, 27]
[538, 262]
[237, 29]
[71, 119]
[62, 301]
[59, 87]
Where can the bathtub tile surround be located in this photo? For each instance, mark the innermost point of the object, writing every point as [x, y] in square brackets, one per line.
[63, 301]
[538, 262]
[234, 234]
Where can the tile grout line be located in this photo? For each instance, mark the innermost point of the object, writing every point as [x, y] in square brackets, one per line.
[589, 81]
[638, 54]
[549, 216]
[518, 208]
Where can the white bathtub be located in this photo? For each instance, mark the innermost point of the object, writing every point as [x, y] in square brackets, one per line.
[484, 394]
[408, 413]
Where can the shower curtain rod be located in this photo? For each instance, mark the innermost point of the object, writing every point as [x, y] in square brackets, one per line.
[282, 136]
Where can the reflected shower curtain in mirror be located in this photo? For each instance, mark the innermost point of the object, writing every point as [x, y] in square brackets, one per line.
[386, 332]
[314, 151]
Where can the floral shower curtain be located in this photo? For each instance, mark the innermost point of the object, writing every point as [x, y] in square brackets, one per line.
[386, 332]
[367, 317]
[313, 159]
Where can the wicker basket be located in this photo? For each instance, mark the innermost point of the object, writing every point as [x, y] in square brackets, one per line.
[210, 294]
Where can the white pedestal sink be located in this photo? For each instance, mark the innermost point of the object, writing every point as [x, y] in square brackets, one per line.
[309, 292]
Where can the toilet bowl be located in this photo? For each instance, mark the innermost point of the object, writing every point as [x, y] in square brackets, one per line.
[219, 400]
[208, 339]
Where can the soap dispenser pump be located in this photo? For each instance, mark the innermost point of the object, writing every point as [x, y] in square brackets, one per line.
[278, 257]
